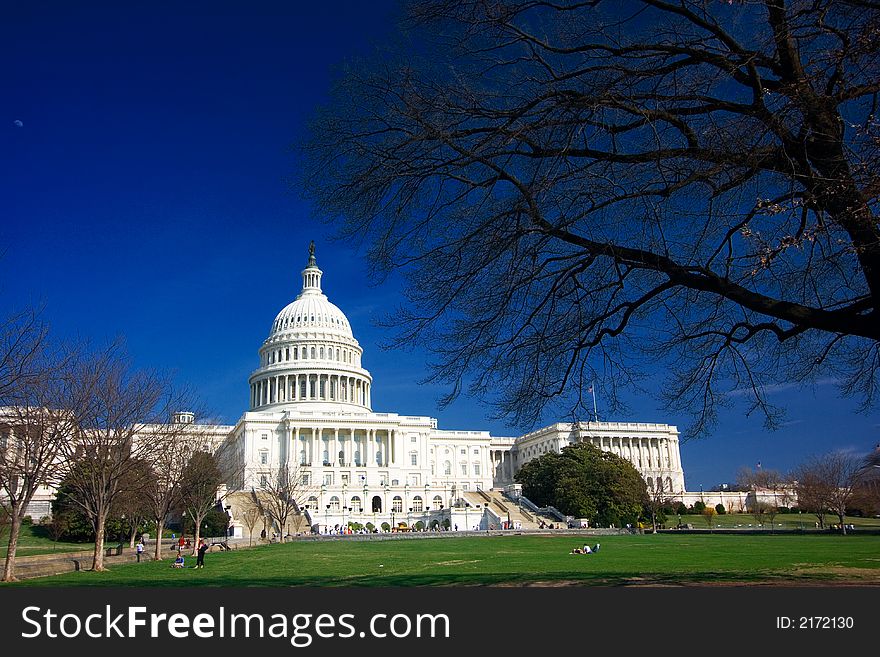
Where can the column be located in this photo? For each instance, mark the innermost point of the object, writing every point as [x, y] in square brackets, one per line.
[335, 455]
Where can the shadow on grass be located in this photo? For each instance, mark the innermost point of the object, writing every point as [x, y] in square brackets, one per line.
[574, 578]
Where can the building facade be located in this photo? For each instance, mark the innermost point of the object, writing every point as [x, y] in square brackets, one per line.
[311, 417]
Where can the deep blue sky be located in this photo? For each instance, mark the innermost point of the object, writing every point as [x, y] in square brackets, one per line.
[143, 195]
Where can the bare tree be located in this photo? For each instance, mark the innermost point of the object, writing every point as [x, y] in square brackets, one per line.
[813, 490]
[199, 485]
[243, 507]
[658, 498]
[578, 190]
[35, 421]
[173, 445]
[117, 407]
[282, 497]
[832, 481]
[131, 504]
[759, 478]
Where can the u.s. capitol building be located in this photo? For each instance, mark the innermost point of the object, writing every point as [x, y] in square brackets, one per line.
[311, 412]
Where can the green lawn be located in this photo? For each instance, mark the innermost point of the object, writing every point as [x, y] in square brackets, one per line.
[661, 558]
[783, 520]
[35, 540]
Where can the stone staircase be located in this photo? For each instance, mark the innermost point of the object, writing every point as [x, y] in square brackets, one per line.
[502, 507]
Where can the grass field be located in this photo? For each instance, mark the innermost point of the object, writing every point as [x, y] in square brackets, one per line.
[515, 560]
[782, 520]
[35, 540]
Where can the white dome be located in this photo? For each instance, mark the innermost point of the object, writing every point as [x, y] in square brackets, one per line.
[311, 357]
[308, 312]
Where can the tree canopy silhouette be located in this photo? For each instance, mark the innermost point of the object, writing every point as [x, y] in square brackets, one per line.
[597, 189]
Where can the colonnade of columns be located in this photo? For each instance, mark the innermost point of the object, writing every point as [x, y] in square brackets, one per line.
[644, 453]
[310, 387]
[502, 465]
[317, 446]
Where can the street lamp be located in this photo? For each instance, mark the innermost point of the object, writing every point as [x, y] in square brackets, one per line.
[326, 522]
[228, 518]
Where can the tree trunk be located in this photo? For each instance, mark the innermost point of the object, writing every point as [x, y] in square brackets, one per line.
[160, 523]
[842, 525]
[9, 566]
[98, 557]
[197, 521]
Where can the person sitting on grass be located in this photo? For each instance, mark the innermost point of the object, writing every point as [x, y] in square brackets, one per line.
[178, 562]
[576, 550]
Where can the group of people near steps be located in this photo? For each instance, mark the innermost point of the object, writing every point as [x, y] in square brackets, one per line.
[181, 544]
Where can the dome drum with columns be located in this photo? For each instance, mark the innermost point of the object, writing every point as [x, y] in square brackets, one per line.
[311, 414]
[310, 356]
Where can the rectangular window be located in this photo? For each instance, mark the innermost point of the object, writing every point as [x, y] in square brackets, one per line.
[465, 487]
[414, 458]
[345, 478]
[263, 481]
[414, 439]
[265, 436]
[264, 458]
[464, 469]
[463, 450]
[305, 479]
[476, 469]
[328, 479]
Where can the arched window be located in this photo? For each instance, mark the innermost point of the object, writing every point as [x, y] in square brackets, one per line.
[418, 503]
[302, 457]
[326, 456]
[312, 503]
[668, 484]
[437, 503]
[334, 503]
[447, 468]
[397, 504]
[357, 457]
[322, 353]
[295, 353]
[312, 352]
[650, 482]
[287, 353]
[337, 353]
[356, 504]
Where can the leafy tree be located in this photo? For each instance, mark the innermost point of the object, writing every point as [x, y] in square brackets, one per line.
[719, 509]
[545, 174]
[709, 514]
[586, 482]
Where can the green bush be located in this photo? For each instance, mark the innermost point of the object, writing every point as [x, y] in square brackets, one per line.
[446, 523]
[419, 525]
[680, 508]
[386, 527]
[720, 510]
[698, 507]
[370, 527]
